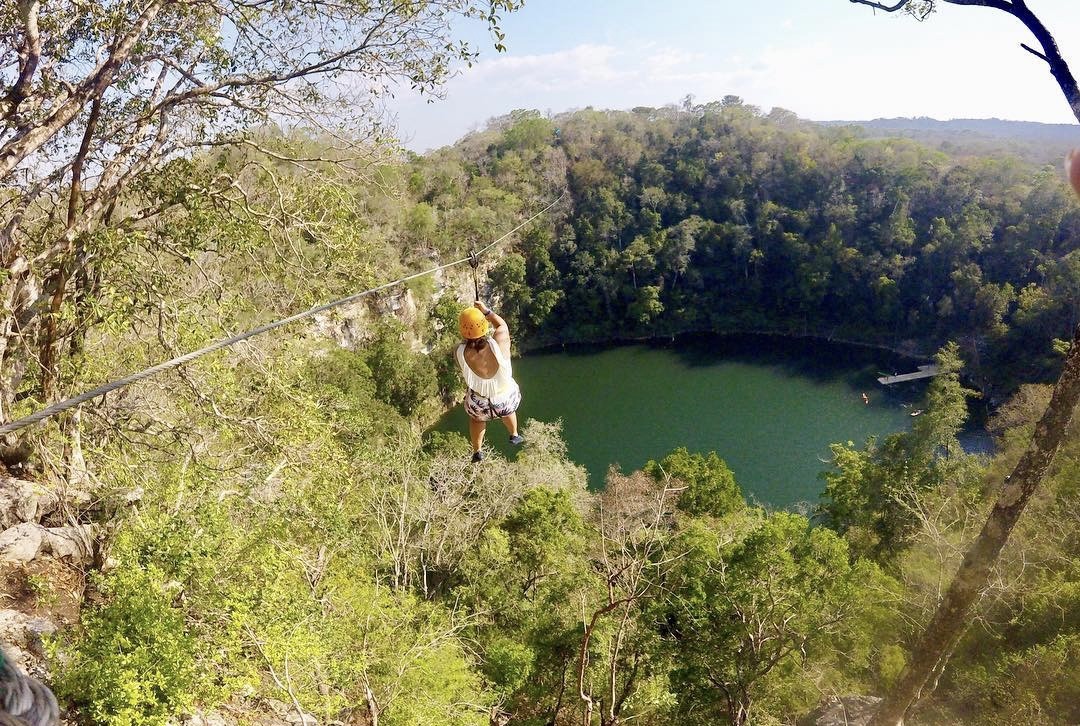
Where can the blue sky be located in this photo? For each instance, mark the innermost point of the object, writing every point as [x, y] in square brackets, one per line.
[823, 59]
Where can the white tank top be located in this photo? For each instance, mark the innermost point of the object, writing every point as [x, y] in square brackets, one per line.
[487, 387]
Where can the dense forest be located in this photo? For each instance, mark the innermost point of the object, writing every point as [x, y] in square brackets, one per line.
[720, 218]
[268, 536]
[279, 533]
[1035, 142]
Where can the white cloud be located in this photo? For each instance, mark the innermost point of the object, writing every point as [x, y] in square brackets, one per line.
[583, 65]
[860, 77]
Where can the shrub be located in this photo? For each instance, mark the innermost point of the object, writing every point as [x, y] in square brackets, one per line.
[135, 662]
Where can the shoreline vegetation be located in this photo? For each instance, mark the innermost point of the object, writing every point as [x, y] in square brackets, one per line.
[907, 352]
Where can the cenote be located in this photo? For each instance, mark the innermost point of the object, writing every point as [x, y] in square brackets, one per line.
[768, 406]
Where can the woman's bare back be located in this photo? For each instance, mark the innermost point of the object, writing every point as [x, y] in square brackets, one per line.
[482, 362]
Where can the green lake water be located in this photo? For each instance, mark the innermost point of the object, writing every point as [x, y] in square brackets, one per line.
[769, 407]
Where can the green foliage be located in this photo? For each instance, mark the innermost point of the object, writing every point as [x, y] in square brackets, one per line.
[292, 524]
[1020, 669]
[646, 306]
[541, 527]
[890, 664]
[507, 277]
[756, 607]
[420, 221]
[946, 407]
[528, 134]
[523, 578]
[275, 569]
[343, 383]
[508, 664]
[871, 492]
[710, 486]
[136, 662]
[402, 379]
[442, 334]
[1031, 685]
[716, 217]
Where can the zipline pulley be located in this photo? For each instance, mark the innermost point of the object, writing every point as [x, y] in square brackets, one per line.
[474, 263]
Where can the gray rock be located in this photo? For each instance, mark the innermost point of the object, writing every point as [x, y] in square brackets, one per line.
[24, 635]
[842, 711]
[74, 543]
[205, 719]
[347, 325]
[265, 720]
[24, 501]
[21, 543]
[279, 707]
[26, 542]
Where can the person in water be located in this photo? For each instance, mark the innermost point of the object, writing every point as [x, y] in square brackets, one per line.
[484, 359]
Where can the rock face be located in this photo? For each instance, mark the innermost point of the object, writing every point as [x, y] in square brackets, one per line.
[345, 325]
[24, 501]
[350, 325]
[205, 719]
[24, 635]
[37, 559]
[25, 542]
[842, 711]
[20, 543]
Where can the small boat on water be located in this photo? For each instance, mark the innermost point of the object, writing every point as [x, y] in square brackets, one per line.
[916, 412]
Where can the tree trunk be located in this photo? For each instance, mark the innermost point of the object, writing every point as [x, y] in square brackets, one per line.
[48, 355]
[16, 290]
[372, 706]
[75, 474]
[951, 618]
[740, 709]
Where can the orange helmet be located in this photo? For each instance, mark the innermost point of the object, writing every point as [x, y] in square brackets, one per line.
[472, 324]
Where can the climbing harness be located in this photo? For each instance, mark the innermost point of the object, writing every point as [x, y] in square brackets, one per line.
[473, 259]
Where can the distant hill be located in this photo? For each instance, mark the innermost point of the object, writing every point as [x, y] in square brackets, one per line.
[1037, 142]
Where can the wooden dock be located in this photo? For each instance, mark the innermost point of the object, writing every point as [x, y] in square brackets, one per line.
[927, 371]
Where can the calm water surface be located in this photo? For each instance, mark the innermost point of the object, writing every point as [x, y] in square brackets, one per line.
[770, 407]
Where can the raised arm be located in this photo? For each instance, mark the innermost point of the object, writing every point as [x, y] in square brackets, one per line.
[500, 330]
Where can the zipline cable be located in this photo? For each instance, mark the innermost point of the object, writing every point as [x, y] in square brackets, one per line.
[188, 357]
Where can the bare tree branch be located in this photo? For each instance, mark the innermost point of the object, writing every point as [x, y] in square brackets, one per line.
[879, 6]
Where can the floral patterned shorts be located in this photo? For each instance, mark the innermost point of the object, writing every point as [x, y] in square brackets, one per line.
[486, 409]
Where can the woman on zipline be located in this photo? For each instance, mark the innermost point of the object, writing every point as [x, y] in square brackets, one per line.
[485, 364]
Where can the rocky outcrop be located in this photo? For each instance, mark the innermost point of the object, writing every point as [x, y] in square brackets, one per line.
[842, 711]
[204, 719]
[24, 636]
[351, 325]
[23, 506]
[28, 541]
[20, 543]
[347, 325]
[41, 568]
[24, 501]
[271, 713]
